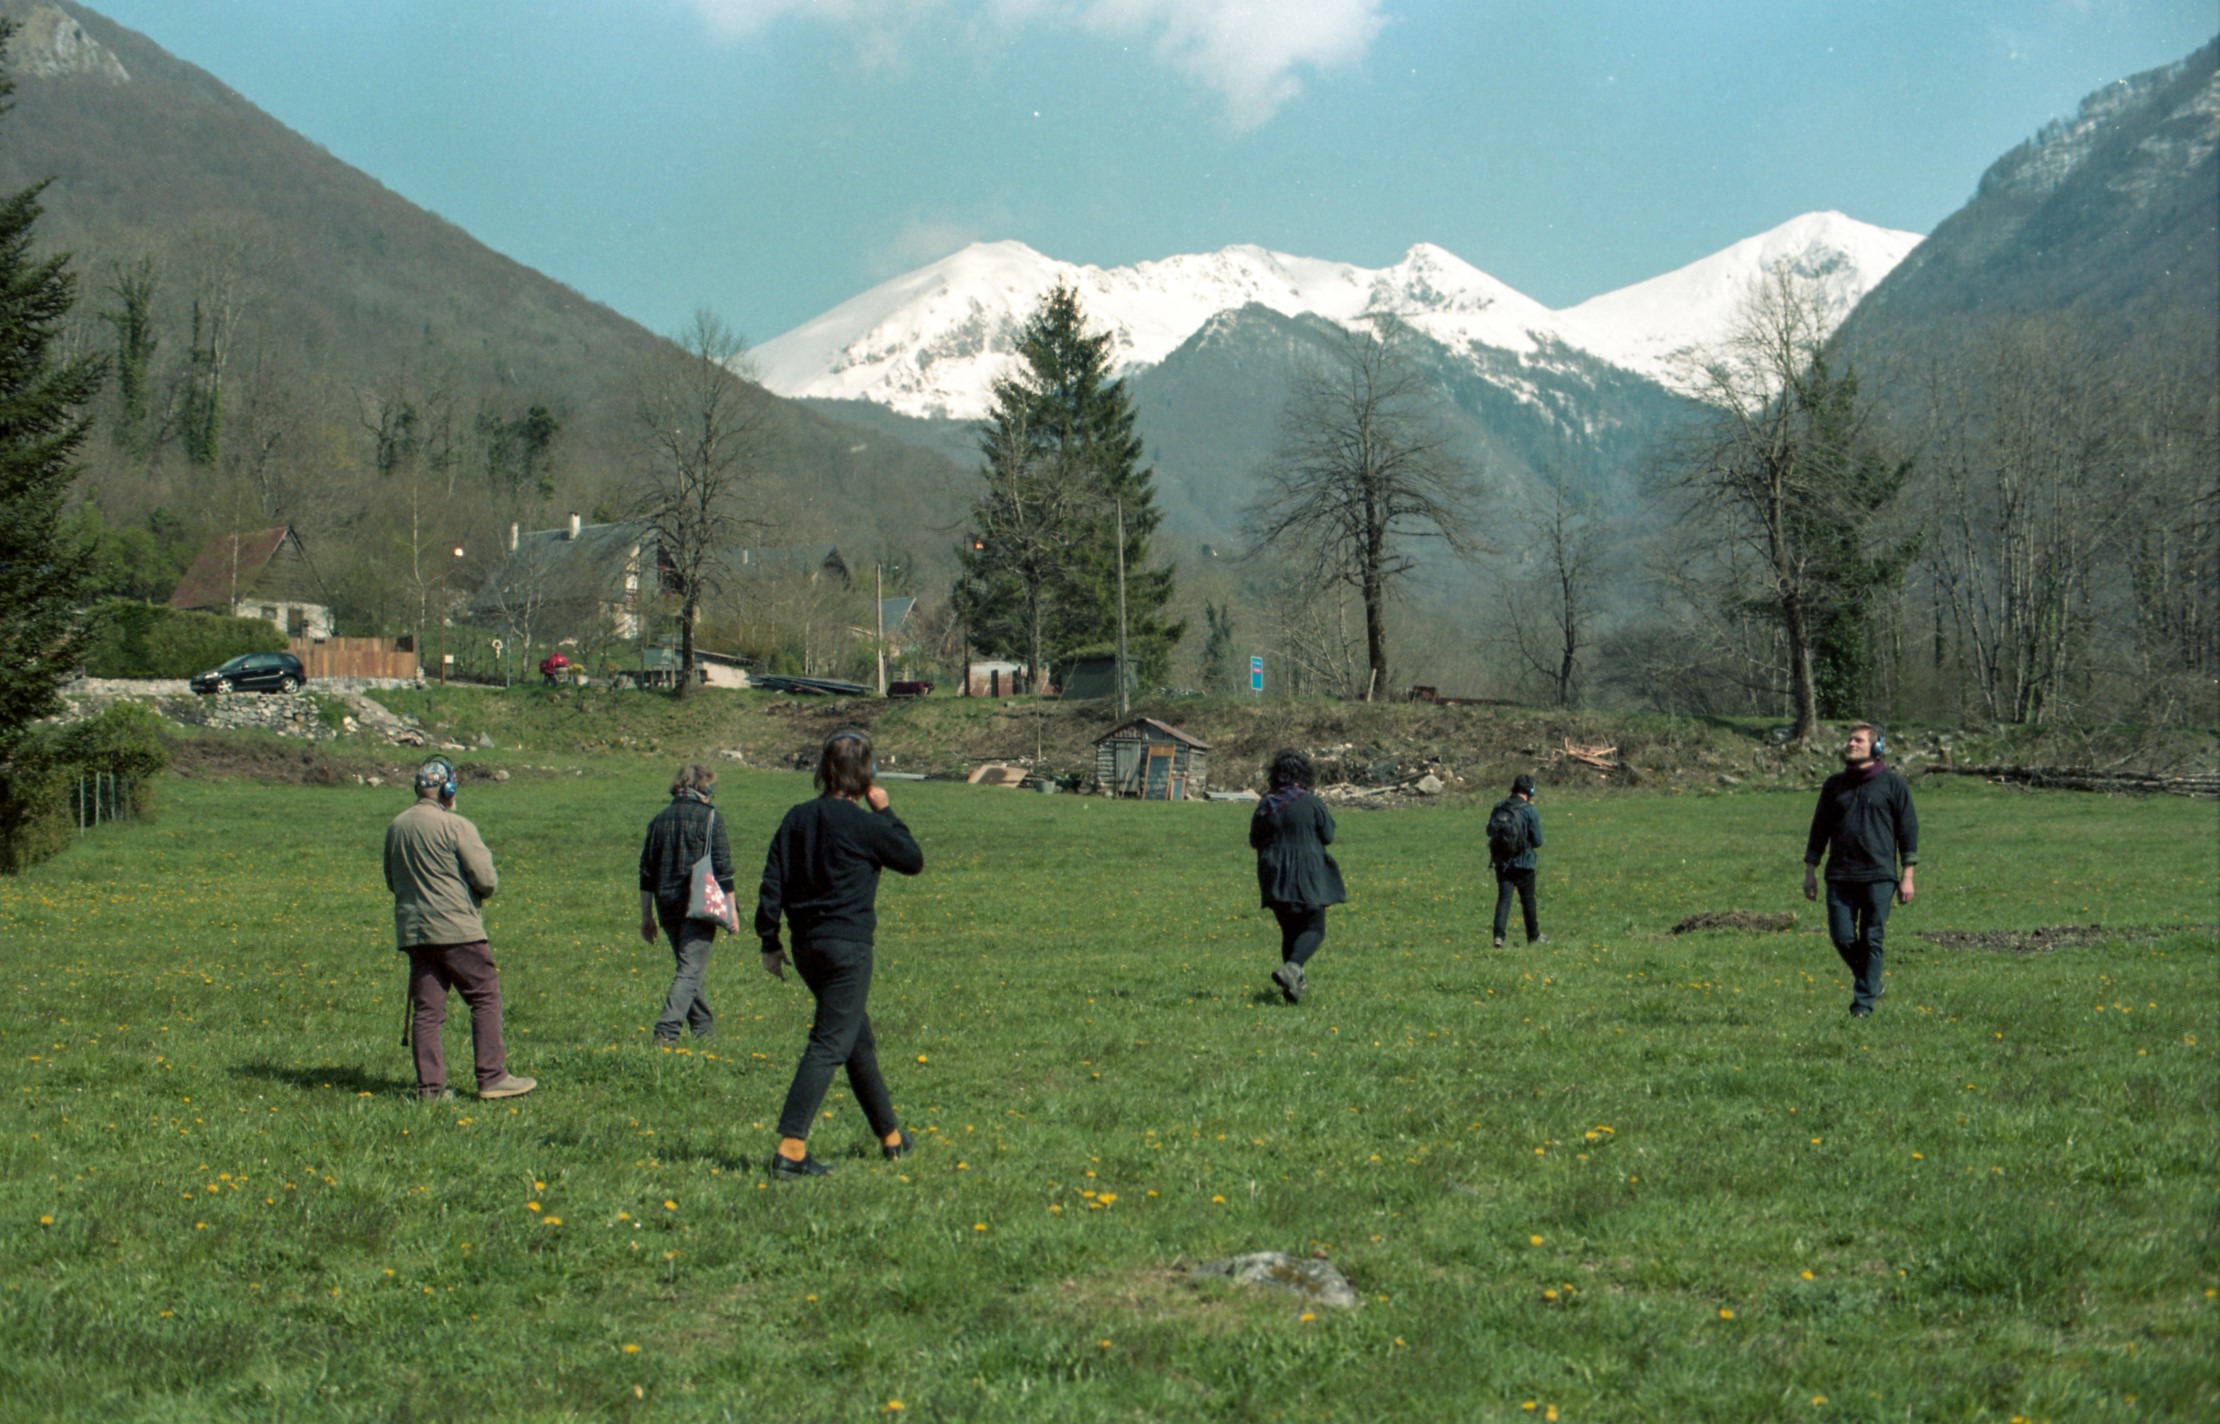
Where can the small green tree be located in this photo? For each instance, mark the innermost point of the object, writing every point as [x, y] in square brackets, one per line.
[43, 420]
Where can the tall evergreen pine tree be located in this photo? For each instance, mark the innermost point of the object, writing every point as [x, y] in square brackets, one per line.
[43, 418]
[1061, 459]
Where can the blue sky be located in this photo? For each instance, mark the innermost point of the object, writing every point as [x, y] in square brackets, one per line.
[770, 158]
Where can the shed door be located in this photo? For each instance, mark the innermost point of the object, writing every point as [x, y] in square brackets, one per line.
[1127, 767]
[1157, 782]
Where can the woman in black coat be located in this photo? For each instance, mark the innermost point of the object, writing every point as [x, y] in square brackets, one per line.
[1298, 879]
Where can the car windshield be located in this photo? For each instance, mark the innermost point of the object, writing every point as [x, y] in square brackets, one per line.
[237, 664]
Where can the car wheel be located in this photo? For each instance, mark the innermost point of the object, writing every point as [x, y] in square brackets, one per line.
[289, 683]
[223, 685]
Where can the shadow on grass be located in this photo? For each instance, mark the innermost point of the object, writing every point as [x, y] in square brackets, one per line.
[315, 1078]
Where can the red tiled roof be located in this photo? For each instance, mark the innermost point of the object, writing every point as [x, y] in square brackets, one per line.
[209, 582]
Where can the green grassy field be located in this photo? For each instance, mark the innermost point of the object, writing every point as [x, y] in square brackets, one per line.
[1617, 1176]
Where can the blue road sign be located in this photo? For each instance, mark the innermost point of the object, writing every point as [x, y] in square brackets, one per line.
[1256, 673]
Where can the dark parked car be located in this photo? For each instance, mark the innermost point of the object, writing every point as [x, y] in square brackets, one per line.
[254, 672]
[910, 688]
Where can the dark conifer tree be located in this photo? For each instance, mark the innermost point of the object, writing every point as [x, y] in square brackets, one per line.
[1063, 463]
[44, 405]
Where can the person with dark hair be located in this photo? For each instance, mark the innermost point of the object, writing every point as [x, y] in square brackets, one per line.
[440, 874]
[822, 877]
[681, 834]
[1296, 876]
[1865, 827]
[1514, 834]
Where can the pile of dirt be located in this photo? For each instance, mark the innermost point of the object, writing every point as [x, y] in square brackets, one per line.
[256, 759]
[2053, 937]
[1753, 920]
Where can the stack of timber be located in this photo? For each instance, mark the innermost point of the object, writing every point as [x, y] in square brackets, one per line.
[2136, 783]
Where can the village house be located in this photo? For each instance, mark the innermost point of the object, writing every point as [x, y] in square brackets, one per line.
[259, 573]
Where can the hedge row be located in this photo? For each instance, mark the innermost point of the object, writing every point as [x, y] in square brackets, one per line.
[48, 762]
[124, 638]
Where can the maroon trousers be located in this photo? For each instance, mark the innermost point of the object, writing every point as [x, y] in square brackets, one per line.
[469, 969]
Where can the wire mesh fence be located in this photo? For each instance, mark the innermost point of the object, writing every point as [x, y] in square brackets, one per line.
[100, 797]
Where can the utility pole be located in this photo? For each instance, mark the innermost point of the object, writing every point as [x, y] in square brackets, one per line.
[1123, 706]
[878, 615]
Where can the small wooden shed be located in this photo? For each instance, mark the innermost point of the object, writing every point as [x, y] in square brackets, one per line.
[1151, 760]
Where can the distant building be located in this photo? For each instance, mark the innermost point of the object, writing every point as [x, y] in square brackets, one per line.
[988, 677]
[573, 577]
[259, 573]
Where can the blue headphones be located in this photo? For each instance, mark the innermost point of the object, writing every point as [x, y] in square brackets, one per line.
[1880, 739]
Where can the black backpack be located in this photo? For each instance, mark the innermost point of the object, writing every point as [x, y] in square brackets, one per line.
[1507, 832]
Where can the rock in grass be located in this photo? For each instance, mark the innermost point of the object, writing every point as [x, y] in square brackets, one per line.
[1316, 1281]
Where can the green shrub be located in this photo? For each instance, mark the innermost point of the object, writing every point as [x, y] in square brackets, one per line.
[36, 781]
[129, 639]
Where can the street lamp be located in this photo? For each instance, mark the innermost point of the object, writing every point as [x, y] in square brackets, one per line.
[443, 568]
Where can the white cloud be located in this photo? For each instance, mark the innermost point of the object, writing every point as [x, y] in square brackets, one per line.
[1251, 53]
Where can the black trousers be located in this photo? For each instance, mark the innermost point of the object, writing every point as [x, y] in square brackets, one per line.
[1857, 918]
[1521, 881]
[838, 973]
[1302, 930]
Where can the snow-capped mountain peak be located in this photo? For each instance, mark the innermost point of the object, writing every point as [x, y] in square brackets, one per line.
[933, 341]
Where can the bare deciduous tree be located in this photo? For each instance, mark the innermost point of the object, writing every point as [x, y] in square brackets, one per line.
[707, 439]
[1362, 473]
[1781, 470]
[1551, 603]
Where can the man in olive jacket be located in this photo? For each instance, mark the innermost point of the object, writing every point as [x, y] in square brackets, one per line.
[440, 872]
[1865, 827]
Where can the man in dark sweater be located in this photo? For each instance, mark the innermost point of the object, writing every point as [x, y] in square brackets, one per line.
[1865, 827]
[1514, 834]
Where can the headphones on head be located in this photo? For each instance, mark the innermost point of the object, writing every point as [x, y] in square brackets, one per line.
[1880, 740]
[441, 772]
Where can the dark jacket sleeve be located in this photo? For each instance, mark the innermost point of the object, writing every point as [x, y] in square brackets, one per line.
[770, 901]
[720, 854]
[650, 863]
[1533, 827]
[1260, 830]
[1815, 845]
[896, 849]
[1907, 825]
[1325, 823]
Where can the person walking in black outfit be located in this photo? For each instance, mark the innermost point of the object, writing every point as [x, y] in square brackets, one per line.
[1865, 826]
[1298, 879]
[1514, 834]
[680, 835]
[822, 876]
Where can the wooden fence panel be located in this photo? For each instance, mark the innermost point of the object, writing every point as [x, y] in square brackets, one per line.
[354, 657]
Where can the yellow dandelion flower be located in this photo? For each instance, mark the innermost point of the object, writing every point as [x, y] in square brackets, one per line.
[1725, 1314]
[670, 1206]
[632, 1349]
[894, 1406]
[1805, 1274]
[1821, 1398]
[1533, 1240]
[1550, 1414]
[1306, 1317]
[551, 1221]
[49, 1221]
[978, 1226]
[531, 1206]
[1218, 1201]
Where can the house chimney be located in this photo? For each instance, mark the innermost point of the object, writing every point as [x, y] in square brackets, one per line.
[512, 538]
[574, 526]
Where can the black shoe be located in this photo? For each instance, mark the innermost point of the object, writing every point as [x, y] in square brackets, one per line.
[1861, 1011]
[904, 1148]
[1499, 941]
[790, 1170]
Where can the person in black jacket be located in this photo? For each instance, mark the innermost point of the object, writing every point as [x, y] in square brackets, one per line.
[1298, 879]
[1514, 873]
[1865, 826]
[678, 836]
[822, 877]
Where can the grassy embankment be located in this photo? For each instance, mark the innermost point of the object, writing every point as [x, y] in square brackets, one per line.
[1615, 1176]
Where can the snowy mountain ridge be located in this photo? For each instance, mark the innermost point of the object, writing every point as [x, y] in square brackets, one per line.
[932, 342]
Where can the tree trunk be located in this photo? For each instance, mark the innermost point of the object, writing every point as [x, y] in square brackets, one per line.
[686, 643]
